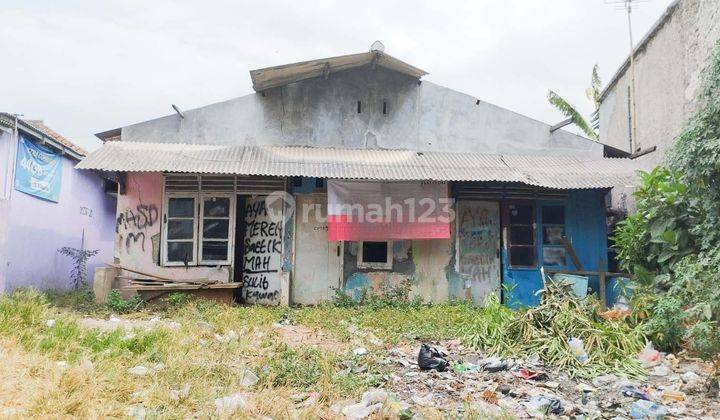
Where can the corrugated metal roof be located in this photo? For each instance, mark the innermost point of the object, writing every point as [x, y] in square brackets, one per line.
[271, 77]
[564, 172]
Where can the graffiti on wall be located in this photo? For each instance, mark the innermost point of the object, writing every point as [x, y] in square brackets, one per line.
[131, 226]
[263, 254]
[479, 246]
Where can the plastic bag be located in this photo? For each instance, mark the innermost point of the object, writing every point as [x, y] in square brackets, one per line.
[431, 358]
[578, 349]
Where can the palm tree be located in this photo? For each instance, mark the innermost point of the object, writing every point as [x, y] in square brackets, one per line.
[566, 108]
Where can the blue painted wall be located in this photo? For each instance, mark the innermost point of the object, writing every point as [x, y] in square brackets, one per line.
[586, 228]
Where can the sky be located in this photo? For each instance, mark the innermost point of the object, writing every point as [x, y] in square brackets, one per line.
[86, 66]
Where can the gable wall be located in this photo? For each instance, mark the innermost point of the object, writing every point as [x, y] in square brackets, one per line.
[320, 112]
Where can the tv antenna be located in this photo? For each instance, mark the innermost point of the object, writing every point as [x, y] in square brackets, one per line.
[628, 6]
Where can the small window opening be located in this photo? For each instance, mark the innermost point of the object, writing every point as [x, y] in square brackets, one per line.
[384, 108]
[377, 255]
[359, 107]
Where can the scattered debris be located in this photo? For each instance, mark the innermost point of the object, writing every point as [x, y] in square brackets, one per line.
[643, 409]
[360, 351]
[50, 323]
[248, 379]
[180, 394]
[430, 357]
[544, 405]
[139, 370]
[226, 406]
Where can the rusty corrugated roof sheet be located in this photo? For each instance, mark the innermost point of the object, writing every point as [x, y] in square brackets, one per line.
[271, 77]
[562, 172]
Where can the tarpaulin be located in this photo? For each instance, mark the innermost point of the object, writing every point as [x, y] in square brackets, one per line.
[365, 211]
[38, 171]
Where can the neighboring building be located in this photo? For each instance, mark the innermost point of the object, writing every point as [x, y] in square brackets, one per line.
[45, 204]
[669, 62]
[198, 190]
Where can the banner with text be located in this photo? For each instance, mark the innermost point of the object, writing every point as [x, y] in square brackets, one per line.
[368, 211]
[38, 171]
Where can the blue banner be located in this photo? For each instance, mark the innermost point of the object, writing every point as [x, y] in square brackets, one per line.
[38, 171]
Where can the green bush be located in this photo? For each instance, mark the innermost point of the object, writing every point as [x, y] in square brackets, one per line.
[117, 304]
[177, 298]
[672, 243]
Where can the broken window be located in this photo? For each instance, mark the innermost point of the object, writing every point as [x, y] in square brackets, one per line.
[553, 231]
[377, 255]
[520, 225]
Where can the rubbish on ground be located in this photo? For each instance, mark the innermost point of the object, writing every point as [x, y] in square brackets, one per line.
[139, 370]
[465, 367]
[545, 405]
[660, 370]
[604, 380]
[494, 365]
[50, 323]
[206, 326]
[692, 382]
[578, 349]
[227, 338]
[530, 374]
[360, 351]
[226, 406]
[634, 392]
[643, 409]
[371, 402]
[490, 395]
[180, 394]
[672, 395]
[430, 357]
[649, 356]
[248, 379]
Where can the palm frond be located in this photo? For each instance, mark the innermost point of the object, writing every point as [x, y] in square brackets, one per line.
[569, 110]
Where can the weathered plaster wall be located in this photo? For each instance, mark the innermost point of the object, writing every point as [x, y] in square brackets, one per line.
[137, 227]
[319, 112]
[668, 78]
[32, 229]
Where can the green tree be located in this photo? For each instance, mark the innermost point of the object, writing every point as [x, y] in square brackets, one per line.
[590, 128]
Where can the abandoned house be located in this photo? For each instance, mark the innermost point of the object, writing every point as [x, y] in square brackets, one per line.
[46, 204]
[261, 195]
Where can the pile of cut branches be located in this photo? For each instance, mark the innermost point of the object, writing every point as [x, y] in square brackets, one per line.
[612, 346]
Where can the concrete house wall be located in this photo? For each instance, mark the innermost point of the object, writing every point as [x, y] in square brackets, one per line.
[669, 63]
[33, 229]
[318, 112]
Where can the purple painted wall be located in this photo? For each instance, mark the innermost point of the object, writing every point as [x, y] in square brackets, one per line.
[35, 229]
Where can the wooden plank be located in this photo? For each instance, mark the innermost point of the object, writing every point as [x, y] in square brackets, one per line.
[164, 279]
[179, 286]
[589, 273]
[571, 253]
[601, 278]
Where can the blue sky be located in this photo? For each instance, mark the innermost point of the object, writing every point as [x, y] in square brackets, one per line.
[89, 66]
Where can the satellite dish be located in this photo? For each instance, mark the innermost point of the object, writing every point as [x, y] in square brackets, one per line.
[377, 46]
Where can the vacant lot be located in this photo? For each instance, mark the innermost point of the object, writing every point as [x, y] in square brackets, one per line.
[64, 356]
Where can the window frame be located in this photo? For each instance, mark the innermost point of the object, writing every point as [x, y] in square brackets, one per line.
[231, 229]
[166, 219]
[361, 263]
[542, 224]
[507, 229]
